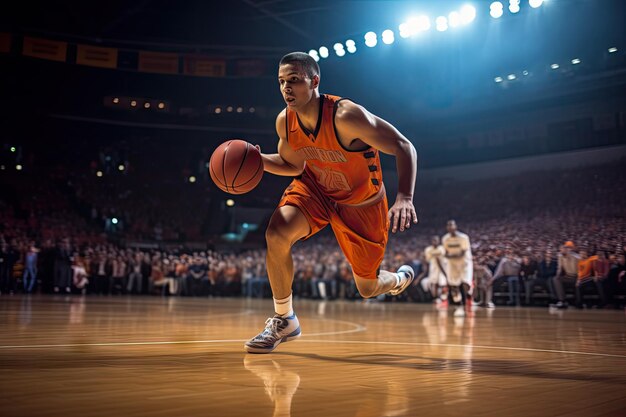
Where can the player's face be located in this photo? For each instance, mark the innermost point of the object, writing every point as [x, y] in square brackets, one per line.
[451, 227]
[434, 241]
[295, 86]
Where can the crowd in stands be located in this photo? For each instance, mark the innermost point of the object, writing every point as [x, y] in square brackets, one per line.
[557, 233]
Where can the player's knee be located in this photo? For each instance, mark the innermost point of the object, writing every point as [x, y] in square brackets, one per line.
[276, 236]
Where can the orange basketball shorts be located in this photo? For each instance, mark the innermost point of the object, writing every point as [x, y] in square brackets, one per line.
[362, 232]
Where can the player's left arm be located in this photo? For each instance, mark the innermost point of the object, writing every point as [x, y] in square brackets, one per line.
[354, 121]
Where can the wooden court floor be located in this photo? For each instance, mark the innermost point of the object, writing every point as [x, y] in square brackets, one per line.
[135, 356]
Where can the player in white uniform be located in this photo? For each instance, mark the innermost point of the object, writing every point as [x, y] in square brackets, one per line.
[459, 265]
[435, 257]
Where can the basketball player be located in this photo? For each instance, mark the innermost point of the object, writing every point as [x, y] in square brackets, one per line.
[331, 145]
[434, 255]
[459, 268]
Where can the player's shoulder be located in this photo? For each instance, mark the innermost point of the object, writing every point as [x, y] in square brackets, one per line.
[446, 237]
[281, 122]
[347, 111]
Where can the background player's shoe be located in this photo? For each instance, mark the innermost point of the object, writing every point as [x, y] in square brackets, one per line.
[278, 329]
[406, 275]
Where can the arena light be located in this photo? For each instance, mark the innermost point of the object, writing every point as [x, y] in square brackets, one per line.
[388, 37]
[99, 174]
[498, 79]
[251, 109]
[323, 52]
[535, 3]
[468, 14]
[133, 103]
[514, 6]
[230, 202]
[525, 72]
[239, 109]
[146, 105]
[338, 47]
[229, 109]
[2, 167]
[351, 46]
[403, 28]
[192, 179]
[441, 23]
[371, 39]
[114, 220]
[612, 50]
[496, 10]
[121, 167]
[454, 19]
[18, 167]
[511, 77]
[116, 100]
[13, 149]
[555, 66]
[218, 110]
[576, 61]
[161, 105]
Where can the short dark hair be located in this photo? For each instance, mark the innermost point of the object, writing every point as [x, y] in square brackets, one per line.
[306, 62]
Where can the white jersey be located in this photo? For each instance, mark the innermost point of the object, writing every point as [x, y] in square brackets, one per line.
[436, 264]
[459, 268]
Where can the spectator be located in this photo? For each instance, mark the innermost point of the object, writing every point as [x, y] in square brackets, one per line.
[566, 273]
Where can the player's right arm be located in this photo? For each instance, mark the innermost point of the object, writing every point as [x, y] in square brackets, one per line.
[286, 162]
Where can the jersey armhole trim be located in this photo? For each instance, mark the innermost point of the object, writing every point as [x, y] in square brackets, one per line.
[336, 105]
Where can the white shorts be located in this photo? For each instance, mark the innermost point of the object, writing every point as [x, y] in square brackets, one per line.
[438, 278]
[459, 272]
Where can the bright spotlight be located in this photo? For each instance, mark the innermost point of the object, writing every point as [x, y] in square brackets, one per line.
[230, 202]
[554, 66]
[239, 109]
[441, 23]
[511, 77]
[114, 220]
[314, 54]
[18, 167]
[575, 61]
[146, 105]
[454, 19]
[514, 6]
[161, 105]
[99, 174]
[351, 46]
[338, 47]
[323, 52]
[535, 3]
[468, 14]
[612, 50]
[496, 10]
[404, 30]
[121, 167]
[229, 109]
[218, 110]
[525, 72]
[418, 24]
[133, 103]
[340, 52]
[388, 37]
[116, 100]
[371, 39]
[498, 79]
[192, 179]
[13, 149]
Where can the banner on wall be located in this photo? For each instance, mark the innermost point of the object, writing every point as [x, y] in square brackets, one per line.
[96, 56]
[202, 66]
[5, 42]
[45, 49]
[158, 62]
[250, 67]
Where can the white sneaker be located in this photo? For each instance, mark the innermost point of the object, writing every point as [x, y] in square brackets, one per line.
[490, 305]
[459, 312]
[406, 275]
[278, 329]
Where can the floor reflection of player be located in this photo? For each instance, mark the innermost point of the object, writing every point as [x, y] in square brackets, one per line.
[280, 384]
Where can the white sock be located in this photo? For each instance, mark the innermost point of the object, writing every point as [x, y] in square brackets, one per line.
[283, 307]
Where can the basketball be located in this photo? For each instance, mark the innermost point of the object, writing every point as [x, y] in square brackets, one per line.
[236, 166]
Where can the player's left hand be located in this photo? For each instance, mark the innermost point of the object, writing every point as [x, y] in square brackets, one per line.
[402, 214]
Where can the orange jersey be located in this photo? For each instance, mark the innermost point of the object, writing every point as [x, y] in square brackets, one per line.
[345, 176]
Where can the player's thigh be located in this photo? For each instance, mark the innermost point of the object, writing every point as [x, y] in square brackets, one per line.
[288, 224]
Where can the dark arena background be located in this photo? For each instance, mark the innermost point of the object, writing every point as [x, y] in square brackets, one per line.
[129, 282]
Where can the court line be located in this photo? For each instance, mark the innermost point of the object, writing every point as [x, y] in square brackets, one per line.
[357, 328]
[572, 352]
